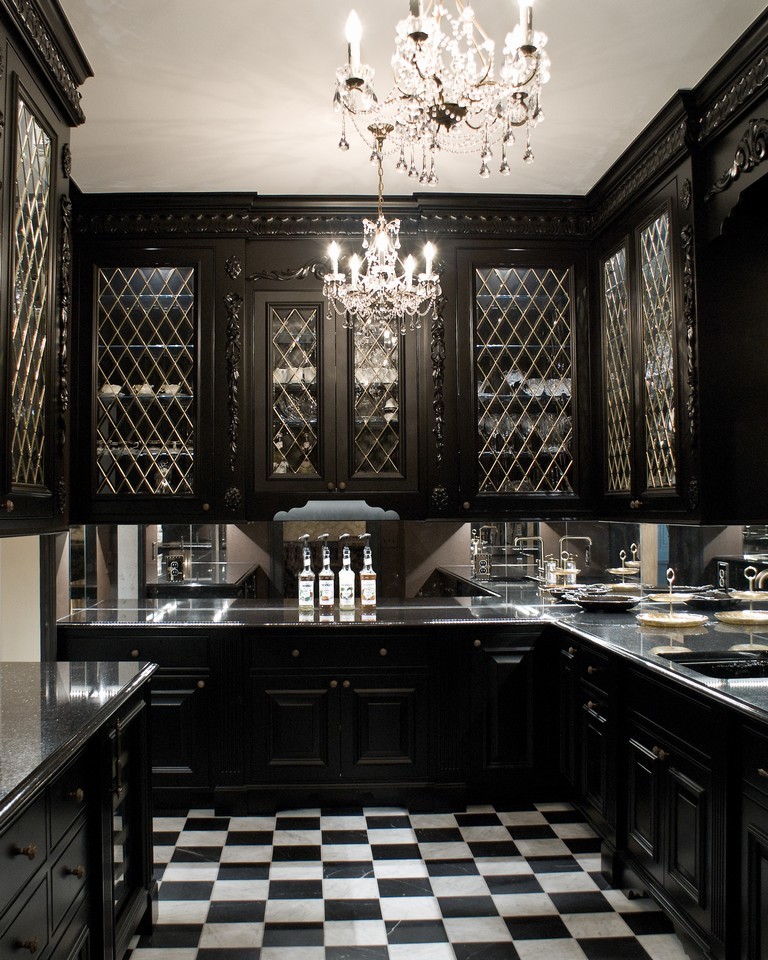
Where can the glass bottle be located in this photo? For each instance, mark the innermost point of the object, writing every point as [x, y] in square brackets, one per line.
[367, 577]
[326, 580]
[306, 578]
[346, 578]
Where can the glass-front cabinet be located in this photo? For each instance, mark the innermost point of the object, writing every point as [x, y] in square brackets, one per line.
[336, 411]
[150, 392]
[520, 368]
[640, 365]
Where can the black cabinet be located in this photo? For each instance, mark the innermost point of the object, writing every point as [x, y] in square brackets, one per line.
[39, 104]
[335, 412]
[523, 367]
[349, 712]
[754, 843]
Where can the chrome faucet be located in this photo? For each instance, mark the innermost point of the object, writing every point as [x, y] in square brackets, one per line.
[587, 540]
[539, 542]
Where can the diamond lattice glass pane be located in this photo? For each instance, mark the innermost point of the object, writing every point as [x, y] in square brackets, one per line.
[658, 351]
[146, 357]
[294, 347]
[618, 396]
[377, 445]
[523, 376]
[29, 307]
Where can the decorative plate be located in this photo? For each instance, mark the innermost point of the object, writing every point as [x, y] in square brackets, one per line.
[669, 598]
[758, 596]
[742, 616]
[621, 571]
[606, 602]
[659, 619]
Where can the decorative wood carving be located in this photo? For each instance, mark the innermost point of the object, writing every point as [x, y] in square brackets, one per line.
[66, 160]
[689, 314]
[316, 267]
[233, 303]
[439, 498]
[61, 495]
[740, 92]
[65, 299]
[234, 268]
[233, 498]
[694, 494]
[39, 38]
[751, 150]
[437, 353]
[686, 194]
[500, 225]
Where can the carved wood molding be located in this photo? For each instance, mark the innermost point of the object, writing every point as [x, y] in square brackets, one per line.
[40, 39]
[689, 315]
[648, 167]
[65, 300]
[437, 354]
[503, 224]
[316, 267]
[751, 150]
[233, 267]
[233, 303]
[740, 92]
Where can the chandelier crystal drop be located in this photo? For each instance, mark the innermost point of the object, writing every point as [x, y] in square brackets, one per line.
[446, 95]
[380, 286]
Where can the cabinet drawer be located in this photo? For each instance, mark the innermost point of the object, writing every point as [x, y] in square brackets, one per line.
[68, 876]
[22, 850]
[594, 668]
[755, 758]
[672, 710]
[171, 651]
[366, 652]
[28, 932]
[67, 794]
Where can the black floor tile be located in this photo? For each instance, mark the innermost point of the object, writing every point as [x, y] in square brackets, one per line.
[580, 902]
[405, 887]
[548, 927]
[297, 823]
[609, 948]
[387, 821]
[236, 911]
[347, 870]
[352, 910]
[207, 823]
[467, 907]
[416, 931]
[196, 855]
[357, 953]
[293, 935]
[451, 868]
[564, 816]
[583, 844]
[295, 889]
[185, 890]
[168, 935]
[493, 848]
[250, 838]
[229, 953]
[646, 924]
[395, 851]
[560, 864]
[439, 835]
[477, 820]
[513, 883]
[485, 951]
[345, 836]
[243, 871]
[538, 831]
[165, 838]
[283, 852]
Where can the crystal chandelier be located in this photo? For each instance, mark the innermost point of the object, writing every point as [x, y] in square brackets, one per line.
[445, 94]
[375, 292]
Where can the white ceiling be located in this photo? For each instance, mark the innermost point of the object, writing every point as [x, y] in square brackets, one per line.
[235, 95]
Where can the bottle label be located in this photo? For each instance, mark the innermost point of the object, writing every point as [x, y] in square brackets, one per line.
[326, 593]
[368, 592]
[306, 593]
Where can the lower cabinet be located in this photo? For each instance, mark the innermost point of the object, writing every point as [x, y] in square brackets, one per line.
[754, 844]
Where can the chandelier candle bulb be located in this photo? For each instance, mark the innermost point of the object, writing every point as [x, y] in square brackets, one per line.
[354, 266]
[429, 256]
[410, 263]
[354, 33]
[333, 253]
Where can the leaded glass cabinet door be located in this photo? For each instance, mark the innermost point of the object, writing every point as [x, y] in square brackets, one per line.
[618, 401]
[523, 375]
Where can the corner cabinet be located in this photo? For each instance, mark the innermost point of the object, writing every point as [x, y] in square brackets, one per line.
[646, 301]
[39, 103]
[336, 411]
[147, 395]
[523, 367]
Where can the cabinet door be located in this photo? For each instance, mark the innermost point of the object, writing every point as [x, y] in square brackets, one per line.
[754, 879]
[518, 362]
[32, 451]
[594, 751]
[643, 803]
[180, 718]
[149, 395]
[567, 701]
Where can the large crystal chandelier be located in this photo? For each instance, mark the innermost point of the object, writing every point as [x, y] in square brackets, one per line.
[381, 287]
[445, 94]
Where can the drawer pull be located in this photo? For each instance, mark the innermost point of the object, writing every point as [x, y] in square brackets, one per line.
[591, 670]
[591, 705]
[346, 684]
[477, 643]
[7, 505]
[661, 754]
[31, 944]
[334, 684]
[572, 651]
[762, 772]
[201, 684]
[29, 851]
[295, 653]
[383, 652]
[76, 796]
[78, 871]
[134, 653]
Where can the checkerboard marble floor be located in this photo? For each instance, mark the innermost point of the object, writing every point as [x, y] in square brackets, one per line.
[383, 884]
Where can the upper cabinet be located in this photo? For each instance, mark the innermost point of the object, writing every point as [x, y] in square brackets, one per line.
[643, 340]
[39, 104]
[522, 358]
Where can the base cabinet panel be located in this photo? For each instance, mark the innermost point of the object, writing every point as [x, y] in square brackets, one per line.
[179, 717]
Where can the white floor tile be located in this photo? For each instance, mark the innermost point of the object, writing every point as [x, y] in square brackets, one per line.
[576, 880]
[469, 886]
[524, 904]
[399, 868]
[476, 930]
[446, 850]
[347, 933]
[523, 818]
[514, 867]
[240, 890]
[232, 935]
[410, 908]
[424, 821]
[292, 953]
[421, 951]
[191, 871]
[351, 888]
[296, 870]
[588, 926]
[664, 946]
[478, 834]
[330, 822]
[238, 824]
[246, 854]
[182, 911]
[542, 848]
[294, 911]
[574, 831]
[549, 950]
[336, 852]
[394, 835]
[297, 837]
[202, 838]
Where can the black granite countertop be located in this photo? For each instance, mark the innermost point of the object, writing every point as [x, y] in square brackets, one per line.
[513, 603]
[48, 711]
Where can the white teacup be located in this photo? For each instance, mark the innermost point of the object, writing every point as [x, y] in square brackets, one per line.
[110, 389]
[171, 389]
[143, 389]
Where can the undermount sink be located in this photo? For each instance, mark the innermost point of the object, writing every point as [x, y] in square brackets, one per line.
[728, 665]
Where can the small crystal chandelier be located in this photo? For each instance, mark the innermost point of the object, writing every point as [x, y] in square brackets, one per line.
[375, 293]
[445, 95]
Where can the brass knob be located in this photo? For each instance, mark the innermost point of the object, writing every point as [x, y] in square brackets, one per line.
[466, 505]
[29, 851]
[201, 684]
[331, 487]
[77, 796]
[295, 653]
[383, 652]
[30, 944]
[591, 669]
[8, 505]
[342, 486]
[134, 652]
[346, 684]
[761, 772]
[573, 651]
[477, 643]
[334, 684]
[206, 507]
[661, 754]
[78, 871]
[591, 705]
